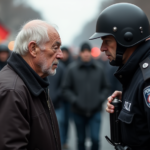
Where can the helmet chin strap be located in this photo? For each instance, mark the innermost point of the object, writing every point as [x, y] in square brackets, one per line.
[119, 55]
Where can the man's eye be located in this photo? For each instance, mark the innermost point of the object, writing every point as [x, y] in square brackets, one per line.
[55, 48]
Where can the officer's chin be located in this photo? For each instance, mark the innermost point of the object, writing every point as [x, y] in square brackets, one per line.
[111, 60]
[113, 63]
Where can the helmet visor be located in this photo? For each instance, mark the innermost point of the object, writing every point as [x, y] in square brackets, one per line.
[97, 35]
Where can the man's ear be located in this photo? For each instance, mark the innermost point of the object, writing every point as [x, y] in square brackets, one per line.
[32, 47]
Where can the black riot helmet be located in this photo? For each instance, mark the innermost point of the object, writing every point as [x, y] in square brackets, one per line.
[126, 22]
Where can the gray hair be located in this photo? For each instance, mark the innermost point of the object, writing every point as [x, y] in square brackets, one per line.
[37, 33]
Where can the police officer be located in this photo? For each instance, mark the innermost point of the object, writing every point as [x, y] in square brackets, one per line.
[124, 28]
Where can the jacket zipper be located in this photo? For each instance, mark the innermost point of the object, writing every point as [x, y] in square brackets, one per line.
[49, 107]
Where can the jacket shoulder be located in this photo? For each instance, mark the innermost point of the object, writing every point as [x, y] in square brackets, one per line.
[145, 68]
[10, 80]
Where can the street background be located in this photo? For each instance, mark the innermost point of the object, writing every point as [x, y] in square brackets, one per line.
[105, 130]
[76, 22]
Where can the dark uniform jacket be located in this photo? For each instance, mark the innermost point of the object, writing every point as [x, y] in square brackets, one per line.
[135, 113]
[26, 120]
[85, 86]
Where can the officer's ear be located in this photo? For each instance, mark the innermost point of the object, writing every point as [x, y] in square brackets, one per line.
[33, 48]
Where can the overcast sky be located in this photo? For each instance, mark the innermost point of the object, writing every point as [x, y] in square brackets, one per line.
[70, 16]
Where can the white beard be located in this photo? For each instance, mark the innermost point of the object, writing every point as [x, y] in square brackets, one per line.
[45, 69]
[48, 71]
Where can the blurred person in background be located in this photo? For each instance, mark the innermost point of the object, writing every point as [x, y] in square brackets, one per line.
[27, 116]
[109, 72]
[86, 88]
[4, 54]
[55, 92]
[66, 60]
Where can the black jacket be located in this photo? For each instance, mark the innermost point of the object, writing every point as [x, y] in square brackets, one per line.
[27, 116]
[85, 87]
[135, 113]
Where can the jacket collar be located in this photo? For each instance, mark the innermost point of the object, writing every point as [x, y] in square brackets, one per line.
[33, 81]
[124, 73]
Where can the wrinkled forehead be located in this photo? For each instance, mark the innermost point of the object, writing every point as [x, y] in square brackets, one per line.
[52, 32]
[55, 39]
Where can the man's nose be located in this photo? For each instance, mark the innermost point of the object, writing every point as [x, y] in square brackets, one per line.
[103, 47]
[59, 54]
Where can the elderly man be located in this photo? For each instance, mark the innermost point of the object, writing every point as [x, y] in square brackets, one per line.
[27, 117]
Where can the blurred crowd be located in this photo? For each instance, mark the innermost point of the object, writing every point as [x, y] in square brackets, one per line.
[78, 90]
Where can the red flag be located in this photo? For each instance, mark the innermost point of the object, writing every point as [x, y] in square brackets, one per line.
[3, 33]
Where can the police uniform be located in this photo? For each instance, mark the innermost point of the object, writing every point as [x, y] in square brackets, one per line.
[129, 25]
[135, 113]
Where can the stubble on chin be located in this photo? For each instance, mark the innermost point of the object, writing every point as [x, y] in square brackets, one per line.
[52, 72]
[45, 69]
[48, 71]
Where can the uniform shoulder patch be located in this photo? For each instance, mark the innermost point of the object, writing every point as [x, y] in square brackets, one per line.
[145, 67]
[146, 93]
